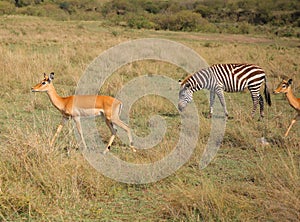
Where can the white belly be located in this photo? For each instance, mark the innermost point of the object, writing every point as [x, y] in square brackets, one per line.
[89, 112]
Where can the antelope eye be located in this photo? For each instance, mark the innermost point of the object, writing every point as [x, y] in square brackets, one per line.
[43, 83]
[283, 86]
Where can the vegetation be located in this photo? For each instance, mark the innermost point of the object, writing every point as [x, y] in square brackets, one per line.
[276, 17]
[246, 181]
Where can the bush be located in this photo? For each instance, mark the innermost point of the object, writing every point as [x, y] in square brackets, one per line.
[152, 7]
[140, 22]
[49, 10]
[120, 7]
[66, 6]
[193, 15]
[24, 3]
[261, 17]
[245, 28]
[181, 21]
[286, 32]
[6, 8]
[203, 10]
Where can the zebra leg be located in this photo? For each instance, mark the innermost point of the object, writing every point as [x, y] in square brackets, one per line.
[261, 105]
[211, 103]
[220, 94]
[255, 100]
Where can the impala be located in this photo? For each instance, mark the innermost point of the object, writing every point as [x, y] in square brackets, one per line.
[285, 87]
[77, 106]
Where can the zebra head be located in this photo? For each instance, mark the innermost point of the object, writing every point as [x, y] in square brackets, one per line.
[185, 96]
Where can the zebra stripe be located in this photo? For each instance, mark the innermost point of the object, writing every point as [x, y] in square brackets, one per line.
[229, 78]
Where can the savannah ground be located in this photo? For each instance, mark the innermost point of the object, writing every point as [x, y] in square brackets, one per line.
[245, 181]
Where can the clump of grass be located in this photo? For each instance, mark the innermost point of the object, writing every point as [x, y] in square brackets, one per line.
[280, 180]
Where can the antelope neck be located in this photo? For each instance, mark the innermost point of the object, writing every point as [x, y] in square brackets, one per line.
[56, 100]
[292, 99]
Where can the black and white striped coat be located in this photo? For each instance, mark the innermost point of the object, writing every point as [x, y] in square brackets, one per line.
[229, 78]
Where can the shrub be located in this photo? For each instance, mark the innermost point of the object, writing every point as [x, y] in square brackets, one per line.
[151, 7]
[67, 6]
[245, 28]
[120, 7]
[203, 10]
[6, 8]
[261, 17]
[181, 21]
[23, 3]
[140, 22]
[49, 10]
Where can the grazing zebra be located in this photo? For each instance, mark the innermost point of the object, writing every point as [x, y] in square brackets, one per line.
[229, 78]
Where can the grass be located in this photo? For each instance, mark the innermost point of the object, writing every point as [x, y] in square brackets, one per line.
[245, 181]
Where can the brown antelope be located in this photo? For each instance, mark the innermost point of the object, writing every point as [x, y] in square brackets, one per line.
[285, 87]
[77, 106]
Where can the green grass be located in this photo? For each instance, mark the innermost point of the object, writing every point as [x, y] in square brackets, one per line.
[245, 181]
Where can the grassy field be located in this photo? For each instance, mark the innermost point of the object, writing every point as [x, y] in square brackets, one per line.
[245, 181]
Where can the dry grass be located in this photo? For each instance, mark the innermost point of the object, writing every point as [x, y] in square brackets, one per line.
[244, 182]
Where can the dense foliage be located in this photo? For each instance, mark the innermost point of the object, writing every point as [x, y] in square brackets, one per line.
[280, 17]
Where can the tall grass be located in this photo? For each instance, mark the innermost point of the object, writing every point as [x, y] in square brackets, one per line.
[246, 181]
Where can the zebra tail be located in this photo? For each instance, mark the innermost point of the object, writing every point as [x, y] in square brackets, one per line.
[267, 94]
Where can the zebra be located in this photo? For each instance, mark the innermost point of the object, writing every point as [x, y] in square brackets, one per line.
[229, 78]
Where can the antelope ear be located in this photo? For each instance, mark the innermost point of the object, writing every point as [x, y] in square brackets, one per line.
[51, 77]
[290, 81]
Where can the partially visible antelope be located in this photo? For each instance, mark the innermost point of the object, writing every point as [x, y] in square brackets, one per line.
[77, 106]
[285, 87]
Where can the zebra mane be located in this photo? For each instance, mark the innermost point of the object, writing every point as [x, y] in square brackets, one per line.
[185, 79]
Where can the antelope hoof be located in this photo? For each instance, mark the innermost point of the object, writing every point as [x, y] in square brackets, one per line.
[106, 150]
[132, 147]
[261, 118]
